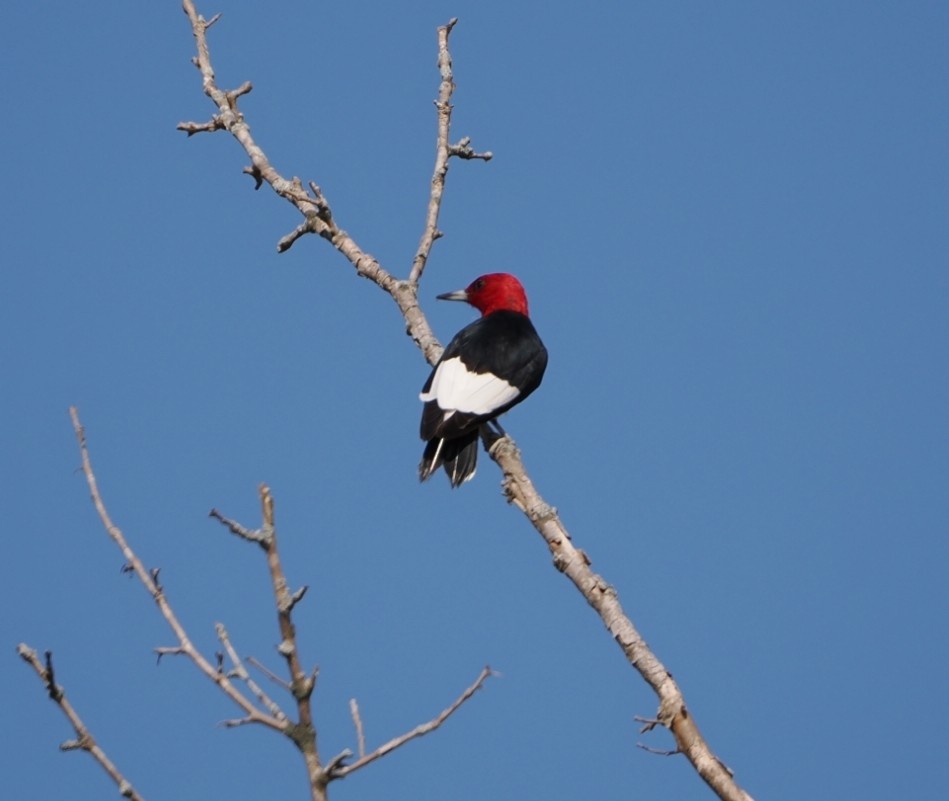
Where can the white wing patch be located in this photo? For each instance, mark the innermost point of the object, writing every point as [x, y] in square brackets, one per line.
[455, 389]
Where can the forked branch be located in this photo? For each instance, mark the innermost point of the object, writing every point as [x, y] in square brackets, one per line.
[443, 153]
[149, 579]
[518, 488]
[302, 683]
[418, 731]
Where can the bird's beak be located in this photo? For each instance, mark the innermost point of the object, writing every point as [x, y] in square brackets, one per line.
[459, 294]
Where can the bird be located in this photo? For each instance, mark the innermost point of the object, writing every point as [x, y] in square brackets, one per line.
[488, 367]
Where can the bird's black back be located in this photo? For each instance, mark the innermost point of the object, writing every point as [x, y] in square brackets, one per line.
[504, 343]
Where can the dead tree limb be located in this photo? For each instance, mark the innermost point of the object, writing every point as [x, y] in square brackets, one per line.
[263, 709]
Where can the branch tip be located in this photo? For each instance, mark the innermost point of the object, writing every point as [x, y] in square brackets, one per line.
[256, 174]
[418, 731]
[337, 763]
[658, 751]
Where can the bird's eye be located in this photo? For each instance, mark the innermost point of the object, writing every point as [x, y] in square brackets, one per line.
[479, 285]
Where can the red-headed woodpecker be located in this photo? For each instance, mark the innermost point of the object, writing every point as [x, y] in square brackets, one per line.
[489, 366]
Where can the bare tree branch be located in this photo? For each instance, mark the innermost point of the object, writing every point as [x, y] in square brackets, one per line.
[575, 564]
[258, 536]
[314, 208]
[84, 740]
[418, 731]
[301, 685]
[303, 732]
[240, 672]
[149, 579]
[269, 673]
[518, 488]
[443, 152]
[357, 722]
[658, 751]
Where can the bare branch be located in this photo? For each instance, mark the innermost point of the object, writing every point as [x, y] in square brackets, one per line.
[334, 766]
[258, 536]
[244, 89]
[149, 579]
[648, 723]
[518, 488]
[463, 150]
[254, 173]
[309, 226]
[357, 722]
[658, 751]
[418, 731]
[575, 564]
[290, 190]
[241, 673]
[443, 152]
[404, 293]
[233, 723]
[303, 733]
[269, 674]
[84, 740]
[191, 128]
[169, 650]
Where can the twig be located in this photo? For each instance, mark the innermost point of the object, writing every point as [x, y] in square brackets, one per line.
[84, 740]
[463, 150]
[258, 536]
[268, 673]
[302, 732]
[241, 673]
[357, 722]
[169, 650]
[418, 731]
[311, 225]
[404, 293]
[191, 128]
[149, 579]
[658, 751]
[335, 765]
[648, 723]
[443, 153]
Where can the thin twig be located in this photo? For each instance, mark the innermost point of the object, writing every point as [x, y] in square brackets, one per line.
[241, 673]
[357, 722]
[238, 530]
[84, 740]
[658, 751]
[443, 153]
[269, 673]
[418, 731]
[648, 723]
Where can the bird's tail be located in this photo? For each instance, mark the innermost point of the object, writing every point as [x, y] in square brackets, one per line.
[459, 457]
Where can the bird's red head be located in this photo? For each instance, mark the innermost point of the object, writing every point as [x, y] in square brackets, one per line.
[492, 292]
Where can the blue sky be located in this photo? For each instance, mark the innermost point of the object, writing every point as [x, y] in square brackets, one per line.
[731, 220]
